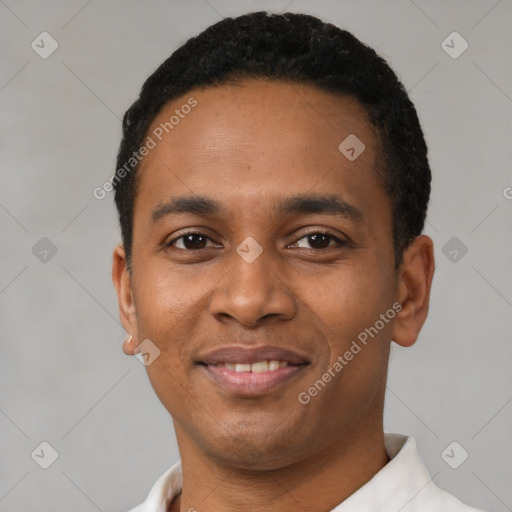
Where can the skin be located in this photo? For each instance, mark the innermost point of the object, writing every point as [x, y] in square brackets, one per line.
[248, 146]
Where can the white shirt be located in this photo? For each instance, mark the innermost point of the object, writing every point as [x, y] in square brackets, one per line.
[403, 484]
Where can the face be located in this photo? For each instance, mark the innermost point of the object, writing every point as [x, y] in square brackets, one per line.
[252, 229]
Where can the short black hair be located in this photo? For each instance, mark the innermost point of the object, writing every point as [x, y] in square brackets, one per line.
[298, 48]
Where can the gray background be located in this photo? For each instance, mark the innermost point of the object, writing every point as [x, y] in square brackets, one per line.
[63, 376]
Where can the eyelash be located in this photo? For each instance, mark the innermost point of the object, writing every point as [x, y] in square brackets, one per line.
[340, 243]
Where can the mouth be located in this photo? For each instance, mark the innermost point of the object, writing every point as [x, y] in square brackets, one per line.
[247, 371]
[258, 367]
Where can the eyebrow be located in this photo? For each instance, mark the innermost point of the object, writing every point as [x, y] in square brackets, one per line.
[304, 204]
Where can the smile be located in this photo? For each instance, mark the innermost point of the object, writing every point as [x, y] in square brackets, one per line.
[251, 370]
[258, 367]
[254, 379]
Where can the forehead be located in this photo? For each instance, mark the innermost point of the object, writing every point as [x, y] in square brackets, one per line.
[257, 138]
[255, 111]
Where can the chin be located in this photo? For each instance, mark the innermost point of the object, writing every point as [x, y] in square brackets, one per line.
[260, 451]
[257, 460]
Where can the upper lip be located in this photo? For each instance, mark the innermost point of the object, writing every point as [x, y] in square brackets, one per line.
[240, 354]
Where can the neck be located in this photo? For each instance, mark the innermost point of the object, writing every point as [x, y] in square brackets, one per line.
[317, 483]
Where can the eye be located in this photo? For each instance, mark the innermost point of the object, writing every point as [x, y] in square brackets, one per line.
[189, 241]
[319, 240]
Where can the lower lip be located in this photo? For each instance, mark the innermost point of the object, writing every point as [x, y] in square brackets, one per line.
[249, 383]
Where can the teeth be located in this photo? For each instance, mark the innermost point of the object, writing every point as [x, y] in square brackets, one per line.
[260, 366]
[273, 365]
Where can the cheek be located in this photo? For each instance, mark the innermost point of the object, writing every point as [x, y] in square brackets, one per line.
[169, 306]
[161, 313]
[164, 300]
[347, 308]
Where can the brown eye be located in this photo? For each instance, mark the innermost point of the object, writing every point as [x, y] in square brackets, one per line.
[320, 240]
[190, 241]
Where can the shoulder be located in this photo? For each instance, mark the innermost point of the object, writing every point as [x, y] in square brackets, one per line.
[407, 483]
[163, 491]
[443, 500]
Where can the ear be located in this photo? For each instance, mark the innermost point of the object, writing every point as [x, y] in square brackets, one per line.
[121, 277]
[414, 284]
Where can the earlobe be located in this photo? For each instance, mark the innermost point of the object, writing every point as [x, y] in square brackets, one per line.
[122, 281]
[129, 345]
[414, 285]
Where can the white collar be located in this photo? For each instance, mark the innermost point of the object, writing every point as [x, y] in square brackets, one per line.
[402, 484]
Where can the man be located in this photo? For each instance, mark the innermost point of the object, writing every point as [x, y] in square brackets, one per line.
[272, 188]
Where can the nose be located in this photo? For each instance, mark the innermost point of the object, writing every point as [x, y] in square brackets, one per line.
[251, 292]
